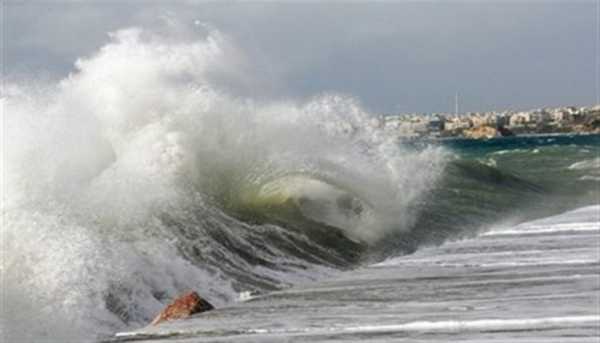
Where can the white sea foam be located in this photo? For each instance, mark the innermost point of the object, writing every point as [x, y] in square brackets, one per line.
[539, 229]
[585, 222]
[420, 326]
[589, 178]
[586, 219]
[586, 164]
[449, 262]
[530, 263]
[482, 324]
[151, 124]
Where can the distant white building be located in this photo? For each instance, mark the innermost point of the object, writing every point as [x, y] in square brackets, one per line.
[457, 123]
[540, 116]
[560, 115]
[519, 119]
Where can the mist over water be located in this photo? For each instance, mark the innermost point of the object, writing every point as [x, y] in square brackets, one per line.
[158, 166]
[145, 173]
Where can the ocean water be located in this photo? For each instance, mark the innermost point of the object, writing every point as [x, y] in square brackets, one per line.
[537, 281]
[144, 174]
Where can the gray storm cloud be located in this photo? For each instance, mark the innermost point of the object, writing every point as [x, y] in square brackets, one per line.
[392, 56]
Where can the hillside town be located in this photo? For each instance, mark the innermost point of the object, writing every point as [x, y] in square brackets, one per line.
[482, 125]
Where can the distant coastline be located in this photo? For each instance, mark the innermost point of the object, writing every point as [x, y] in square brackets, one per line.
[485, 125]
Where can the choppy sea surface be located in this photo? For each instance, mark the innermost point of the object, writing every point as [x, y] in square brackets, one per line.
[534, 282]
[144, 174]
[500, 278]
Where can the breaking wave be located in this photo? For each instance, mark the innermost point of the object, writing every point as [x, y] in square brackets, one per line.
[147, 172]
[140, 175]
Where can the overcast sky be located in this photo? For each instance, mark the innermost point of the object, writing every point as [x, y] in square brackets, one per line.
[393, 57]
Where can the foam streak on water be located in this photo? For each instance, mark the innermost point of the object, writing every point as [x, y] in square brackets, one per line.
[508, 285]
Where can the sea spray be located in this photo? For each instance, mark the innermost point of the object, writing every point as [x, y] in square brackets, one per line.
[127, 183]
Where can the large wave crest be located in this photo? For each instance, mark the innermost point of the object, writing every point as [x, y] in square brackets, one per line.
[143, 174]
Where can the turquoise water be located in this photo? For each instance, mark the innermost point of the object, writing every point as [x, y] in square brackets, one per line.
[508, 180]
[546, 160]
